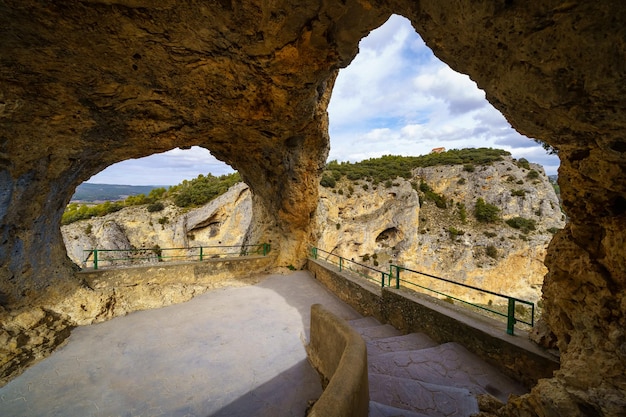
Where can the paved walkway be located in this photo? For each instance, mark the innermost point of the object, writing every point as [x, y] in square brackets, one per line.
[230, 352]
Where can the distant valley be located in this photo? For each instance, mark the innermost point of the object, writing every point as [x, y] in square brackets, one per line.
[96, 193]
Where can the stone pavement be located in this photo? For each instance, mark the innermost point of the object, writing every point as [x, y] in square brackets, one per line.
[230, 352]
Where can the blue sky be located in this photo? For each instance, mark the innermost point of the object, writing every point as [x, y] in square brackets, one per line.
[395, 98]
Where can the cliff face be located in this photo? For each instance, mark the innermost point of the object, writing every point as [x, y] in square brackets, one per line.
[224, 221]
[377, 225]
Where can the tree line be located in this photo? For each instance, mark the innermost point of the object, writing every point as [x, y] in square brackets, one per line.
[389, 167]
[189, 193]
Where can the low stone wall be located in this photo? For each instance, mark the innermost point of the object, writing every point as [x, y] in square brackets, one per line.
[30, 334]
[362, 295]
[205, 272]
[339, 354]
[408, 311]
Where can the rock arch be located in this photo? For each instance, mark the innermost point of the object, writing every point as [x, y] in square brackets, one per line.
[87, 84]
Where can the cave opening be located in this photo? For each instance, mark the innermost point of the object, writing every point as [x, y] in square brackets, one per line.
[163, 169]
[397, 98]
[157, 190]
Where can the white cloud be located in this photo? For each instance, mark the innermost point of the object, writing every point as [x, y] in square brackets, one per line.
[397, 98]
[458, 91]
[168, 168]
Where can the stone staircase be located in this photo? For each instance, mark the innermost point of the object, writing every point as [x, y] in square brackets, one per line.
[412, 376]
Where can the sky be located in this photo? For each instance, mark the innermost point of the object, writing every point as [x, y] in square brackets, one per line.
[395, 98]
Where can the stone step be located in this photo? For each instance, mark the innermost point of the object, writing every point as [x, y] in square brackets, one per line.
[449, 365]
[377, 332]
[368, 321]
[421, 397]
[411, 341]
[384, 410]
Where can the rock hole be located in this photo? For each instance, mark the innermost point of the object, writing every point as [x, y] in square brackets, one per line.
[387, 234]
[618, 206]
[294, 141]
[579, 155]
[618, 146]
[493, 391]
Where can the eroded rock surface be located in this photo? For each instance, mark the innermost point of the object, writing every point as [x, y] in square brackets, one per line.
[225, 221]
[377, 225]
[87, 84]
[371, 223]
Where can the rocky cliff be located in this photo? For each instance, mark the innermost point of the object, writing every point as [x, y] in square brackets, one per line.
[224, 221]
[378, 224]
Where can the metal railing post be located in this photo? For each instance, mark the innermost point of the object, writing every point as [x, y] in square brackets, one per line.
[95, 259]
[397, 277]
[201, 254]
[314, 252]
[382, 280]
[510, 318]
[340, 263]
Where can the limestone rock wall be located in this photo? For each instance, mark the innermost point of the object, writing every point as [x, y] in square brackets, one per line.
[375, 225]
[87, 84]
[225, 221]
[353, 224]
[29, 336]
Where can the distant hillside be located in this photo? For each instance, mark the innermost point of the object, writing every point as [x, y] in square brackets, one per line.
[108, 192]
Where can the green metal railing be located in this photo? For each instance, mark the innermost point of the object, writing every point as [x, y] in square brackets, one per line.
[364, 271]
[395, 276]
[119, 257]
[511, 310]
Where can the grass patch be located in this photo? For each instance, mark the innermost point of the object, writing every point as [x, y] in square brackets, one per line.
[485, 212]
[522, 224]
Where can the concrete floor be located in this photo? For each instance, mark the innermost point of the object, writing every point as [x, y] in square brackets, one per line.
[230, 352]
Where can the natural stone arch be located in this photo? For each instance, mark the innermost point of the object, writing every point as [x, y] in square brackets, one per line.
[87, 84]
[181, 76]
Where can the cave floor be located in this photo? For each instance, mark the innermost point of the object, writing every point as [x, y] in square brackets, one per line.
[235, 351]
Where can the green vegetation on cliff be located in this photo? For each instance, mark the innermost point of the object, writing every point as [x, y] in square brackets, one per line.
[388, 167]
[485, 212]
[429, 194]
[524, 225]
[75, 212]
[192, 193]
[202, 189]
